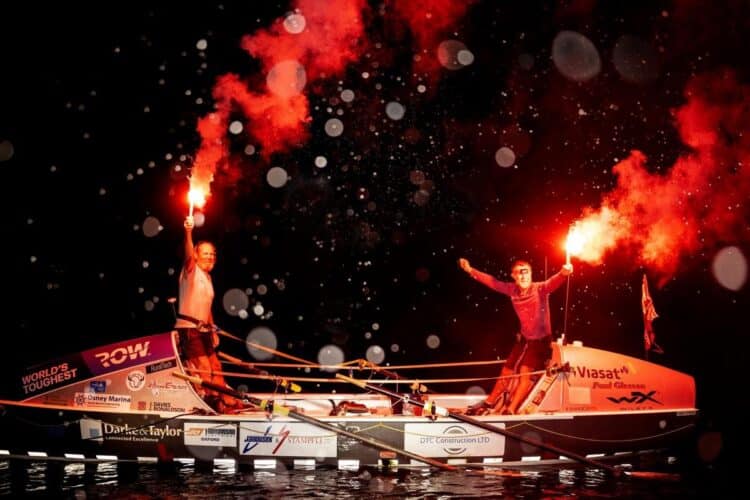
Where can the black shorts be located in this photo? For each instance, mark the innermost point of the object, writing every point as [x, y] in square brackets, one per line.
[195, 342]
[531, 353]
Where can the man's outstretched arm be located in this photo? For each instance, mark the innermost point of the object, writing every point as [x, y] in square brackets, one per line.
[556, 280]
[484, 278]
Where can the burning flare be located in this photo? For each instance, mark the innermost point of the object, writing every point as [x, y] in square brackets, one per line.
[589, 239]
[574, 242]
[196, 197]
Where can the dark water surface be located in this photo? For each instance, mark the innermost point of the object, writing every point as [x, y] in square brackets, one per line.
[24, 478]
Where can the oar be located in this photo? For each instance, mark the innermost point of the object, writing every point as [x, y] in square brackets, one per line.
[430, 409]
[283, 382]
[276, 409]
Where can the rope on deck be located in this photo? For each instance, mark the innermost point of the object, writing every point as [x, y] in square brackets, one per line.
[374, 381]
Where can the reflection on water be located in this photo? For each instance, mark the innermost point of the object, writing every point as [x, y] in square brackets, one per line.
[37, 477]
[73, 476]
[225, 480]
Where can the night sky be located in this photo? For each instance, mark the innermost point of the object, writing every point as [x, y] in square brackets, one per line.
[358, 149]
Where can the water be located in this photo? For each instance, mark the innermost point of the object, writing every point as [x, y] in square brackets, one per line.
[23, 478]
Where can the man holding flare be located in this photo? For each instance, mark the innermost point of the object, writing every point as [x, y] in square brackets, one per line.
[530, 300]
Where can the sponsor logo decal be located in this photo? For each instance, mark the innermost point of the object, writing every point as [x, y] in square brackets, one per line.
[48, 377]
[283, 434]
[599, 373]
[165, 406]
[253, 441]
[120, 355]
[98, 385]
[161, 365]
[636, 397]
[199, 434]
[580, 408]
[148, 433]
[617, 385]
[451, 437]
[151, 350]
[156, 387]
[99, 400]
[286, 440]
[136, 380]
[452, 440]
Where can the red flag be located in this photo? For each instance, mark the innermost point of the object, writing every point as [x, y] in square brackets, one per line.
[649, 315]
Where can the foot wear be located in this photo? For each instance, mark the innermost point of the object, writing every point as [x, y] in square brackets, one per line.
[213, 401]
[234, 410]
[236, 406]
[479, 409]
[226, 404]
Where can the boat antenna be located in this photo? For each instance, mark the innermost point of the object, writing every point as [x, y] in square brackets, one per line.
[172, 301]
[565, 318]
[571, 229]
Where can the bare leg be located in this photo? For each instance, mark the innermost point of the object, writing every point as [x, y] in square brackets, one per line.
[203, 364]
[208, 368]
[501, 387]
[192, 364]
[524, 384]
[218, 379]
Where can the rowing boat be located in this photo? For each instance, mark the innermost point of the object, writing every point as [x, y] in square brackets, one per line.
[135, 400]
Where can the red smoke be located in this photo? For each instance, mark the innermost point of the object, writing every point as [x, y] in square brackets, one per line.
[275, 121]
[277, 114]
[332, 38]
[430, 22]
[700, 202]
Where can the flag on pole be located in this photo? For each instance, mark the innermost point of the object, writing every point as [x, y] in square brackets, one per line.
[649, 315]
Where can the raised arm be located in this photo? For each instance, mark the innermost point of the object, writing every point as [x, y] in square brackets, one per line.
[189, 245]
[484, 278]
[556, 280]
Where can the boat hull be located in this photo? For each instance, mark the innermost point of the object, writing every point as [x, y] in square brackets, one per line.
[256, 437]
[132, 399]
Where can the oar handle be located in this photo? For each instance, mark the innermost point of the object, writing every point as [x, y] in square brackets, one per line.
[359, 383]
[263, 404]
